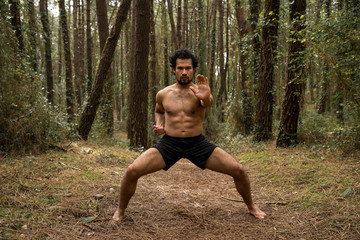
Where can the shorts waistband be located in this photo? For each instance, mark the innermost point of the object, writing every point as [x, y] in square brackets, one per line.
[194, 137]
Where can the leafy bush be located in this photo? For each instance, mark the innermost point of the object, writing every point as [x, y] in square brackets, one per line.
[27, 122]
[325, 131]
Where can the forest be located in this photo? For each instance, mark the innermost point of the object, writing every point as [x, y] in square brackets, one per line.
[78, 80]
[277, 70]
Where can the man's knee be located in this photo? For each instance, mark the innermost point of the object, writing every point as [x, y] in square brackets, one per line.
[239, 171]
[132, 173]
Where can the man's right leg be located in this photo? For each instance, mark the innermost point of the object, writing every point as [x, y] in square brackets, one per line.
[148, 162]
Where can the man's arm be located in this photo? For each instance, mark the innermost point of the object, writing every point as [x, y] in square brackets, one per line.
[158, 128]
[203, 92]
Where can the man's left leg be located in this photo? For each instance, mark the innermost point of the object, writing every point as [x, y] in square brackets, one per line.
[221, 161]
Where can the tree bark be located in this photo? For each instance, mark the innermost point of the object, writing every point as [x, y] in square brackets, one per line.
[89, 47]
[221, 98]
[295, 71]
[88, 115]
[246, 100]
[265, 101]
[67, 58]
[16, 22]
[179, 34]
[48, 56]
[138, 110]
[165, 45]
[175, 43]
[107, 102]
[153, 80]
[256, 45]
[32, 35]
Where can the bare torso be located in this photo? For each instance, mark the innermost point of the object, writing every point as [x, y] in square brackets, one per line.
[183, 113]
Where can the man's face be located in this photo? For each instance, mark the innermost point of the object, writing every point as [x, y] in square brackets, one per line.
[184, 71]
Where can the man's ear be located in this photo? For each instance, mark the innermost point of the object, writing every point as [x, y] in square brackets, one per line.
[174, 72]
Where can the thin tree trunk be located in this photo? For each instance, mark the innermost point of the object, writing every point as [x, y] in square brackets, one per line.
[201, 38]
[221, 98]
[185, 23]
[175, 43]
[76, 46]
[246, 101]
[16, 22]
[139, 89]
[89, 47]
[178, 25]
[107, 102]
[265, 101]
[48, 58]
[67, 55]
[165, 45]
[295, 71]
[32, 35]
[88, 115]
[256, 46]
[154, 84]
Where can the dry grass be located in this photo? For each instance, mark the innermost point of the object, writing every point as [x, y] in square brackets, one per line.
[51, 196]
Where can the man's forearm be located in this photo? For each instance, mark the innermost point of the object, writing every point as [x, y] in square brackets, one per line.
[159, 119]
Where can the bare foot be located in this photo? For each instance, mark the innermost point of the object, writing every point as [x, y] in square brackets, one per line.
[256, 212]
[118, 216]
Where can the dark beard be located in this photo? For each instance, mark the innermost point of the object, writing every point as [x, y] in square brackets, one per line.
[184, 83]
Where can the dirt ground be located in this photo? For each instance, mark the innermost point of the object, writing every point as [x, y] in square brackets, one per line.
[184, 202]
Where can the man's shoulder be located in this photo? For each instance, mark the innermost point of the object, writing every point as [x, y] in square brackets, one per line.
[167, 89]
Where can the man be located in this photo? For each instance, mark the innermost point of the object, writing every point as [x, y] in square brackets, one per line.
[179, 113]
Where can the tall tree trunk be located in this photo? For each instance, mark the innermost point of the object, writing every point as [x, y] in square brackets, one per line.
[178, 25]
[213, 47]
[221, 98]
[76, 47]
[131, 64]
[32, 35]
[201, 38]
[295, 71]
[88, 115]
[175, 43]
[254, 19]
[324, 105]
[265, 101]
[246, 101]
[60, 68]
[48, 58]
[16, 22]
[139, 89]
[89, 47]
[107, 102]
[67, 55]
[82, 48]
[184, 28]
[165, 44]
[153, 80]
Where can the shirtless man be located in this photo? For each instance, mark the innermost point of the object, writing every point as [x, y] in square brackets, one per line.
[179, 113]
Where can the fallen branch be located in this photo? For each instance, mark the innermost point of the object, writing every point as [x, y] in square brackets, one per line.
[239, 200]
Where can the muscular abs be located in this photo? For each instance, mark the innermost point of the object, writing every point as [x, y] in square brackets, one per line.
[182, 112]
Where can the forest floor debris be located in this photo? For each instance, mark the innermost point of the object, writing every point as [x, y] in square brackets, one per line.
[57, 196]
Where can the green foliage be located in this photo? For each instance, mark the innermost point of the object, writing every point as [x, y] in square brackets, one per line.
[323, 131]
[27, 122]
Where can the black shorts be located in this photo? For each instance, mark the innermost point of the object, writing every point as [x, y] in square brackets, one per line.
[196, 149]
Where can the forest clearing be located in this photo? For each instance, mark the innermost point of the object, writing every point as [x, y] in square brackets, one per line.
[87, 85]
[306, 193]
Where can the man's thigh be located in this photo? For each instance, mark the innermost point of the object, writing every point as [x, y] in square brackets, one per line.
[149, 161]
[221, 161]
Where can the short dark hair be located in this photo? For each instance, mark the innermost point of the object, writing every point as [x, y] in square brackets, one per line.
[183, 54]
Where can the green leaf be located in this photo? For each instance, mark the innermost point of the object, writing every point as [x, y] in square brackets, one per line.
[348, 192]
[88, 219]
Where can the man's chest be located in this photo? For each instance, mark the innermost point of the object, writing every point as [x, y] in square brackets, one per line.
[176, 103]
